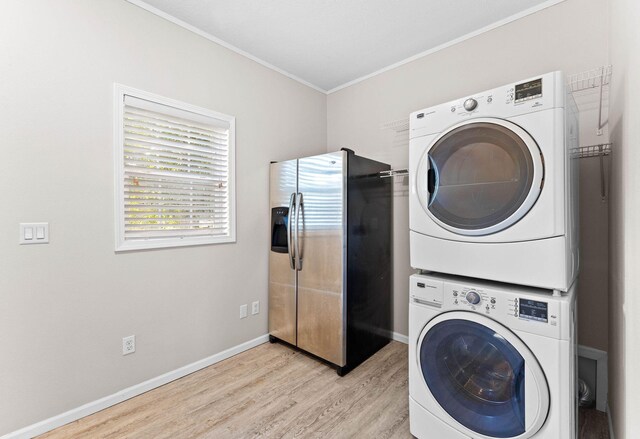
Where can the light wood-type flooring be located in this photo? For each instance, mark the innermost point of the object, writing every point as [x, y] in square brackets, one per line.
[276, 392]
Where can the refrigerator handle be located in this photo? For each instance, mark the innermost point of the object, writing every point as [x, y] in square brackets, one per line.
[289, 240]
[299, 207]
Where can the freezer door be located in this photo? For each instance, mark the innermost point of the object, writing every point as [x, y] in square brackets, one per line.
[282, 274]
[321, 256]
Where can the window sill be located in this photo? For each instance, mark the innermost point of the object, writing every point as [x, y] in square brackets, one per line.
[153, 244]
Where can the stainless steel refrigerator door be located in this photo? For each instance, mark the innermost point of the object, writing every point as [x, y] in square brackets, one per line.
[282, 274]
[321, 256]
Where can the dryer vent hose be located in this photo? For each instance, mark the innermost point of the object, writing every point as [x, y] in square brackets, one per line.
[585, 395]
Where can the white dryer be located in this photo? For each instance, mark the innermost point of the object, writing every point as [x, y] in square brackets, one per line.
[493, 189]
[489, 360]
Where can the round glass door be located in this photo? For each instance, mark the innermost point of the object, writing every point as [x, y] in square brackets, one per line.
[477, 377]
[480, 177]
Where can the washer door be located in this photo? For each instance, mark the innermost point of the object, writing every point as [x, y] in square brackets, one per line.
[480, 176]
[483, 376]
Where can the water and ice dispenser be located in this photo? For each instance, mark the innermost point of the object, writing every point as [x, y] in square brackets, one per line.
[279, 220]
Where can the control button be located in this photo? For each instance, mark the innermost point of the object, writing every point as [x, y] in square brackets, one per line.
[455, 301]
[489, 100]
[470, 104]
[455, 294]
[453, 109]
[493, 301]
[473, 297]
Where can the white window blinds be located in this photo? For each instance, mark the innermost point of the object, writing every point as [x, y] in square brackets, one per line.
[176, 179]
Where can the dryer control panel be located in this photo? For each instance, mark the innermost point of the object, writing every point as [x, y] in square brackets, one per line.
[524, 97]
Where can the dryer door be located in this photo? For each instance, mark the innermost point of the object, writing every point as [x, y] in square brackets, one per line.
[480, 176]
[483, 376]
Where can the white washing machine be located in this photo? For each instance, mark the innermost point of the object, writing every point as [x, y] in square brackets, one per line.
[490, 360]
[493, 188]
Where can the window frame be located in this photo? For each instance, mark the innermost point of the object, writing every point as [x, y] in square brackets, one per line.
[122, 245]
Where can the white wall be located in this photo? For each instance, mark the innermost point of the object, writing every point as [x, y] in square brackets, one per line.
[624, 340]
[64, 307]
[571, 36]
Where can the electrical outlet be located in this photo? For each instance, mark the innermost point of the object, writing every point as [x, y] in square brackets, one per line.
[255, 307]
[243, 311]
[129, 345]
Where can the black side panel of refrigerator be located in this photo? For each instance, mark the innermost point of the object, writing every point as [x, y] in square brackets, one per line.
[369, 265]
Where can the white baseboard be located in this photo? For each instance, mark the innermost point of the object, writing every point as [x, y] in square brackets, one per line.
[135, 390]
[602, 374]
[400, 337]
[609, 419]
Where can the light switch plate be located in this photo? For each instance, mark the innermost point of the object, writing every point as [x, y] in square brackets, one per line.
[34, 233]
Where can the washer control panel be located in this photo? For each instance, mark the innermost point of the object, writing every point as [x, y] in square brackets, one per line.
[519, 308]
[535, 310]
[474, 299]
[493, 304]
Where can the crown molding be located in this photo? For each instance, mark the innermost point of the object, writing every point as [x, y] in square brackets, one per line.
[208, 36]
[470, 35]
[142, 4]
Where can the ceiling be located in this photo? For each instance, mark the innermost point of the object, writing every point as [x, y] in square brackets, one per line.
[330, 43]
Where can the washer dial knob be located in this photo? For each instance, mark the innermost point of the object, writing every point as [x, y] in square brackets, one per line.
[470, 104]
[473, 297]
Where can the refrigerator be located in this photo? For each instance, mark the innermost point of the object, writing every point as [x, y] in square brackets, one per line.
[330, 275]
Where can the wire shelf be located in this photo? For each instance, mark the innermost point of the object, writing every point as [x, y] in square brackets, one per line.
[600, 150]
[590, 79]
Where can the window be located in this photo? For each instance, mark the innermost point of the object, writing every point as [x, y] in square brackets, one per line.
[174, 173]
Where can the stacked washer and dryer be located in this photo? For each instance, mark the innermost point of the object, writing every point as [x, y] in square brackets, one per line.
[494, 233]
